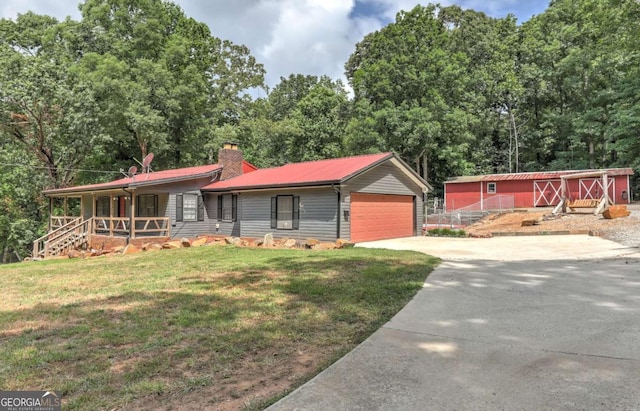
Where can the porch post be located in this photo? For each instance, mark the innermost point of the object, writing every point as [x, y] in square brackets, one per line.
[93, 212]
[132, 228]
[563, 186]
[50, 211]
[605, 187]
[110, 215]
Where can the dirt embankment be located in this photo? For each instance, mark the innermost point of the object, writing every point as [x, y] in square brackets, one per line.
[624, 230]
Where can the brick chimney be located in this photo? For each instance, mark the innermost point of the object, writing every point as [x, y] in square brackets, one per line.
[230, 158]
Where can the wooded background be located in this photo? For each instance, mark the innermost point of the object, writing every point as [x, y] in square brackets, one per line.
[452, 91]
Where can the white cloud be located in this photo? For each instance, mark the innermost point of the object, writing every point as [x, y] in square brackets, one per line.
[287, 36]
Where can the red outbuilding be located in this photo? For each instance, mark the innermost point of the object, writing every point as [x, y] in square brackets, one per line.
[536, 189]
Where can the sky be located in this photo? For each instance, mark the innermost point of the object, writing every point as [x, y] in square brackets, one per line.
[293, 36]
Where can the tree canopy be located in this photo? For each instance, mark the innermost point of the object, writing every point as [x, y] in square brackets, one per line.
[452, 91]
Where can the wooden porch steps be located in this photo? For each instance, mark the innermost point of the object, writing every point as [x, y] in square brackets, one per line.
[62, 240]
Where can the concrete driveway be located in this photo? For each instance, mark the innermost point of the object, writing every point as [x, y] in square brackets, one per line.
[518, 323]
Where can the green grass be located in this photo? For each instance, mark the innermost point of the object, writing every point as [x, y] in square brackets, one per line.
[194, 327]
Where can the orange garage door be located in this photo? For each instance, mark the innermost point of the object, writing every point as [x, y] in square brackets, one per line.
[380, 216]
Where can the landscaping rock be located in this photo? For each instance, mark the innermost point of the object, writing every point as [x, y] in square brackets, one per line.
[171, 245]
[119, 249]
[530, 222]
[75, 254]
[97, 253]
[199, 242]
[324, 246]
[258, 243]
[154, 247]
[233, 241]
[290, 243]
[185, 242]
[616, 211]
[340, 243]
[310, 242]
[130, 249]
[268, 240]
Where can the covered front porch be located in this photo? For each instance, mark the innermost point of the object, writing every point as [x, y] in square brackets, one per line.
[75, 218]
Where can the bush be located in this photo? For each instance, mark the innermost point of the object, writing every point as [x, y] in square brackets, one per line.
[445, 232]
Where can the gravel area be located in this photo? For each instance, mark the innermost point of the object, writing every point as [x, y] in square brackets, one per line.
[625, 230]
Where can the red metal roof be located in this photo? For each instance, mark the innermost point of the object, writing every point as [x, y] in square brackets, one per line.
[301, 174]
[156, 177]
[247, 167]
[537, 175]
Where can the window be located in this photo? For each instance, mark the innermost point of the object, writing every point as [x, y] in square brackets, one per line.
[103, 205]
[285, 212]
[189, 207]
[228, 207]
[491, 188]
[147, 205]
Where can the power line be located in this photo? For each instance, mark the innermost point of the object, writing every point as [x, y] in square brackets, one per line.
[61, 169]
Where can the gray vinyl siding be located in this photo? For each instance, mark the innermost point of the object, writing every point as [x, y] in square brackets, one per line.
[167, 207]
[226, 228]
[317, 215]
[384, 179]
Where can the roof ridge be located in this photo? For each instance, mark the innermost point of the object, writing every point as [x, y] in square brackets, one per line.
[327, 159]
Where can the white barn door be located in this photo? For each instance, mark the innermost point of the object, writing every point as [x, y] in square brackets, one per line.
[591, 188]
[546, 193]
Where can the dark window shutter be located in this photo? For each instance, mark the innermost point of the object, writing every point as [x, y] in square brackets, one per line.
[179, 207]
[200, 208]
[274, 212]
[220, 208]
[234, 207]
[295, 224]
[138, 206]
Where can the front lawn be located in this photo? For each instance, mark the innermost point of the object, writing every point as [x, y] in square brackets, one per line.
[217, 326]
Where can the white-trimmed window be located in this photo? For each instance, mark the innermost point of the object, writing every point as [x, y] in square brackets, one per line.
[189, 207]
[491, 188]
[285, 212]
[227, 207]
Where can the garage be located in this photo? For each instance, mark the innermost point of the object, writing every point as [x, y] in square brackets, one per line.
[381, 216]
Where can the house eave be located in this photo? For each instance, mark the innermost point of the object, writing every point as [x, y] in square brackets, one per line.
[400, 164]
[313, 184]
[132, 186]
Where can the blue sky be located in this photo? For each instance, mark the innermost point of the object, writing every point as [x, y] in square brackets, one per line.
[293, 36]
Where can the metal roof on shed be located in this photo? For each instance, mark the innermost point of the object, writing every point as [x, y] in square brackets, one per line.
[536, 175]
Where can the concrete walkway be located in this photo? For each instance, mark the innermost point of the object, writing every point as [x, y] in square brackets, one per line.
[519, 323]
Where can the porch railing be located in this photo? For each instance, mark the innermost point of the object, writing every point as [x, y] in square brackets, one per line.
[75, 233]
[142, 226]
[62, 221]
[62, 239]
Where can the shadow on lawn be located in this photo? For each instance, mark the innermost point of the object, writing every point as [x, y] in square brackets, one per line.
[128, 346]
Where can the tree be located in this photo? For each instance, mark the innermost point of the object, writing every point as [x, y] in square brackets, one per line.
[164, 82]
[44, 108]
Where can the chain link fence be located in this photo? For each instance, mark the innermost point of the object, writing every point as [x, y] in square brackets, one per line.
[437, 215]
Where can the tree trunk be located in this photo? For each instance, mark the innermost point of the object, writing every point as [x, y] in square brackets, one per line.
[425, 172]
[515, 139]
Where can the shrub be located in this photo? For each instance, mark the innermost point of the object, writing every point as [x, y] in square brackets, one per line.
[445, 232]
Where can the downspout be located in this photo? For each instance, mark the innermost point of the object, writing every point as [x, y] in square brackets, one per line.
[130, 214]
[338, 209]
